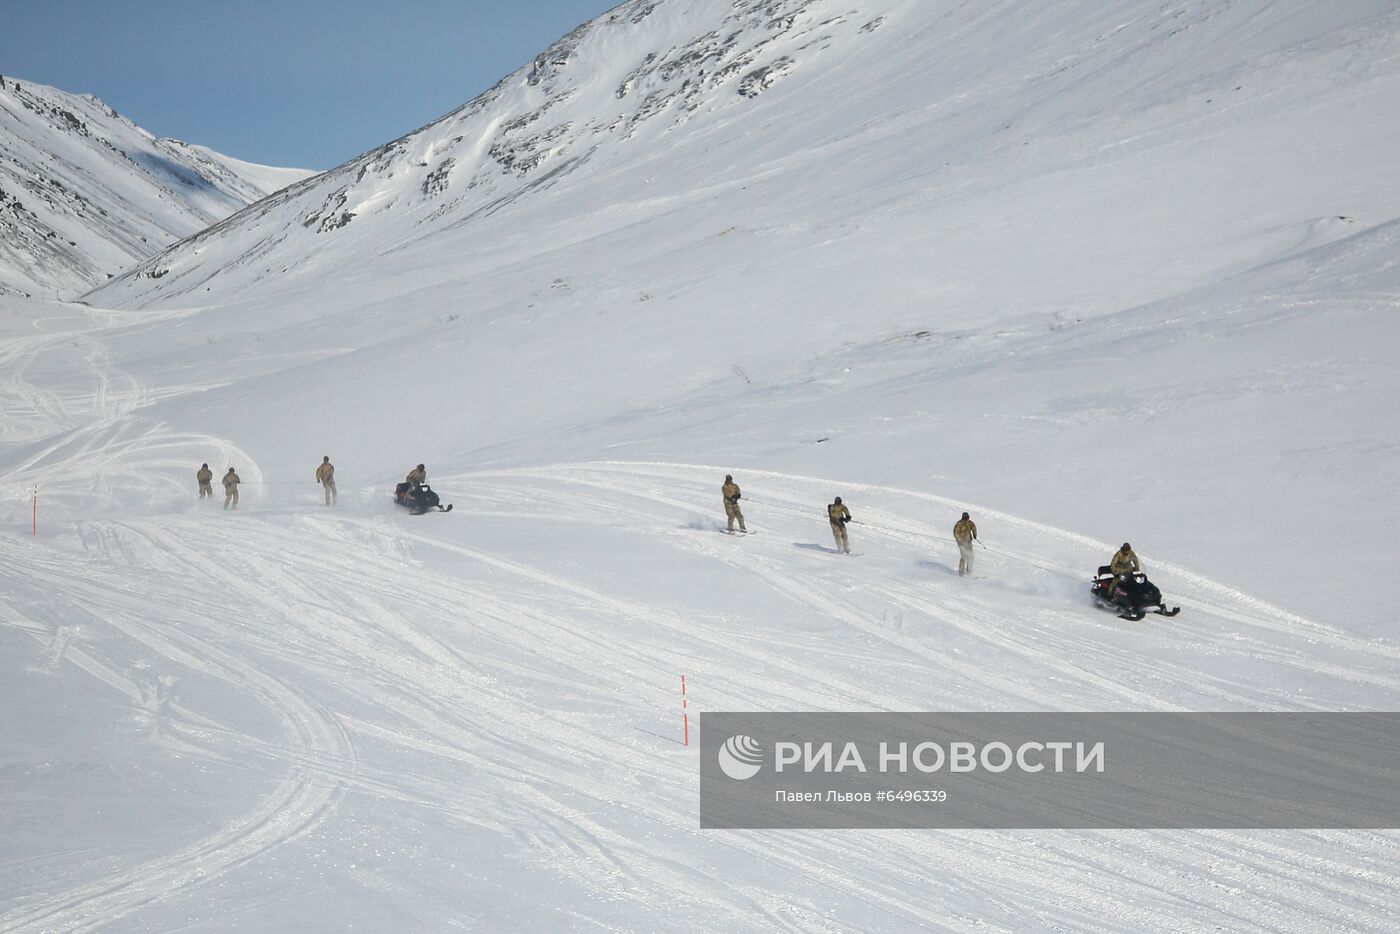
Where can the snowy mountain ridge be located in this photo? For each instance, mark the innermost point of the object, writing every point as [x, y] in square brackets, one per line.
[586, 93]
[84, 192]
[679, 99]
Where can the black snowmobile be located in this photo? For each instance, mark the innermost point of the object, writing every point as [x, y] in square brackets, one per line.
[419, 497]
[1134, 595]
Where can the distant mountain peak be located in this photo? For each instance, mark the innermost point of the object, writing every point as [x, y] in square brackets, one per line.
[85, 193]
[596, 96]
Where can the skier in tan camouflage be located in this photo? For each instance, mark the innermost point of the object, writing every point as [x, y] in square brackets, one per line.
[325, 475]
[839, 516]
[205, 476]
[730, 490]
[231, 482]
[965, 533]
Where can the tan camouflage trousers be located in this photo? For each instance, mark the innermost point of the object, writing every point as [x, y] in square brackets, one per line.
[732, 513]
[330, 491]
[838, 532]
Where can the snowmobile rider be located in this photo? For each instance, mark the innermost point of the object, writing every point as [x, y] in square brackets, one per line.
[839, 516]
[730, 490]
[325, 475]
[231, 482]
[205, 476]
[417, 476]
[965, 533]
[1125, 561]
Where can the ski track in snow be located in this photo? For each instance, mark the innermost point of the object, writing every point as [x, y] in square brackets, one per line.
[1201, 596]
[327, 612]
[417, 662]
[299, 802]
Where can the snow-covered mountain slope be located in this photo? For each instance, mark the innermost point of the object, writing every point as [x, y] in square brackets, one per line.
[754, 191]
[1093, 271]
[940, 157]
[84, 192]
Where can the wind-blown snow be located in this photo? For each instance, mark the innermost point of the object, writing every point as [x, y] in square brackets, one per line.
[84, 192]
[1092, 271]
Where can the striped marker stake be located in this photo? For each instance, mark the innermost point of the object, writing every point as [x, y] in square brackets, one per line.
[685, 715]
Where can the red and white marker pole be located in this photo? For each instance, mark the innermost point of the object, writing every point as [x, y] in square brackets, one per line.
[685, 715]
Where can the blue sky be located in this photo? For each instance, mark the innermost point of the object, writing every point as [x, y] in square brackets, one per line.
[306, 83]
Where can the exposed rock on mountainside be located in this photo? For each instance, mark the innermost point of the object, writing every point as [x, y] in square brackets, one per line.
[84, 192]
